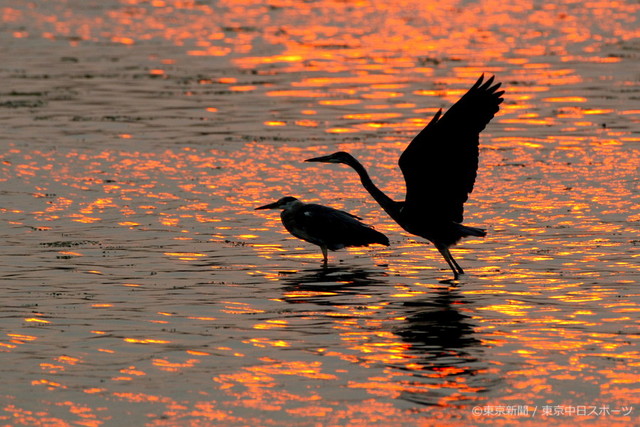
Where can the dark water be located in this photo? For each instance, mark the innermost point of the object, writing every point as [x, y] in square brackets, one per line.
[141, 288]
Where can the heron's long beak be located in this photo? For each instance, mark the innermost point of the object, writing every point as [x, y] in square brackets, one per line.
[325, 159]
[273, 205]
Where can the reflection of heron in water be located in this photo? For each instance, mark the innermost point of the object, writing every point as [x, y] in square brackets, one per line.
[442, 340]
[441, 355]
[439, 168]
[437, 325]
[324, 226]
[340, 276]
[331, 286]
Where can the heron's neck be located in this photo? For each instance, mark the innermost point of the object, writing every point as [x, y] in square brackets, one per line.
[390, 206]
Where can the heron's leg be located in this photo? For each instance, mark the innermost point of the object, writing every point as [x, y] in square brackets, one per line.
[324, 254]
[453, 265]
[460, 270]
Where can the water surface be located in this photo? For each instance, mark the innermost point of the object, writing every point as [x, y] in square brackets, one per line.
[141, 288]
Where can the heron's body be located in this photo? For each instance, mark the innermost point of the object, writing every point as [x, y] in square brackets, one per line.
[439, 167]
[329, 228]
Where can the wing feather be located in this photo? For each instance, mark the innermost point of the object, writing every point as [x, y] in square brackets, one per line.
[441, 163]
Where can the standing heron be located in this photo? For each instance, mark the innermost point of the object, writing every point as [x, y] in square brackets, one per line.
[324, 226]
[439, 168]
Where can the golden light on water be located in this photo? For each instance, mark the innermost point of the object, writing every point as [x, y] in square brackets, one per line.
[142, 287]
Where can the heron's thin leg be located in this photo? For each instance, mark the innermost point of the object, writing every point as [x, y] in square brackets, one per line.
[453, 265]
[324, 254]
[460, 270]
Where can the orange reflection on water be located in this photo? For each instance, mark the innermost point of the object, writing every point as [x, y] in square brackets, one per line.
[145, 341]
[131, 370]
[256, 386]
[352, 67]
[236, 307]
[167, 366]
[266, 342]
[20, 338]
[366, 51]
[184, 256]
[36, 320]
[51, 385]
[271, 324]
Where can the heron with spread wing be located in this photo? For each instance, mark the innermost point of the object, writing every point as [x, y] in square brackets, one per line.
[439, 168]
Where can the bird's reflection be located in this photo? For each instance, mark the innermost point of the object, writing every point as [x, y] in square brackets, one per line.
[443, 348]
[437, 357]
[317, 285]
[436, 323]
[334, 276]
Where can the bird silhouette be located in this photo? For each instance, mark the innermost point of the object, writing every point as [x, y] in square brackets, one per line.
[439, 167]
[326, 227]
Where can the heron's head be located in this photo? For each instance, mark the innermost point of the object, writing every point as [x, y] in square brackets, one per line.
[284, 203]
[338, 157]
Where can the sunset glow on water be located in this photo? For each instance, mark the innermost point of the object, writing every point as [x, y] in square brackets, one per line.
[140, 287]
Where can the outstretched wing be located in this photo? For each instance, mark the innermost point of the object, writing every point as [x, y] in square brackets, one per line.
[441, 162]
[334, 228]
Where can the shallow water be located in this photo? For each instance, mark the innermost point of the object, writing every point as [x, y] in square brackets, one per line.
[141, 288]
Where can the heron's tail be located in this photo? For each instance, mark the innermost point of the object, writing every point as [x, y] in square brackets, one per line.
[472, 231]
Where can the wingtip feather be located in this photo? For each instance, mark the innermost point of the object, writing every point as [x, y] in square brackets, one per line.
[478, 82]
[488, 83]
